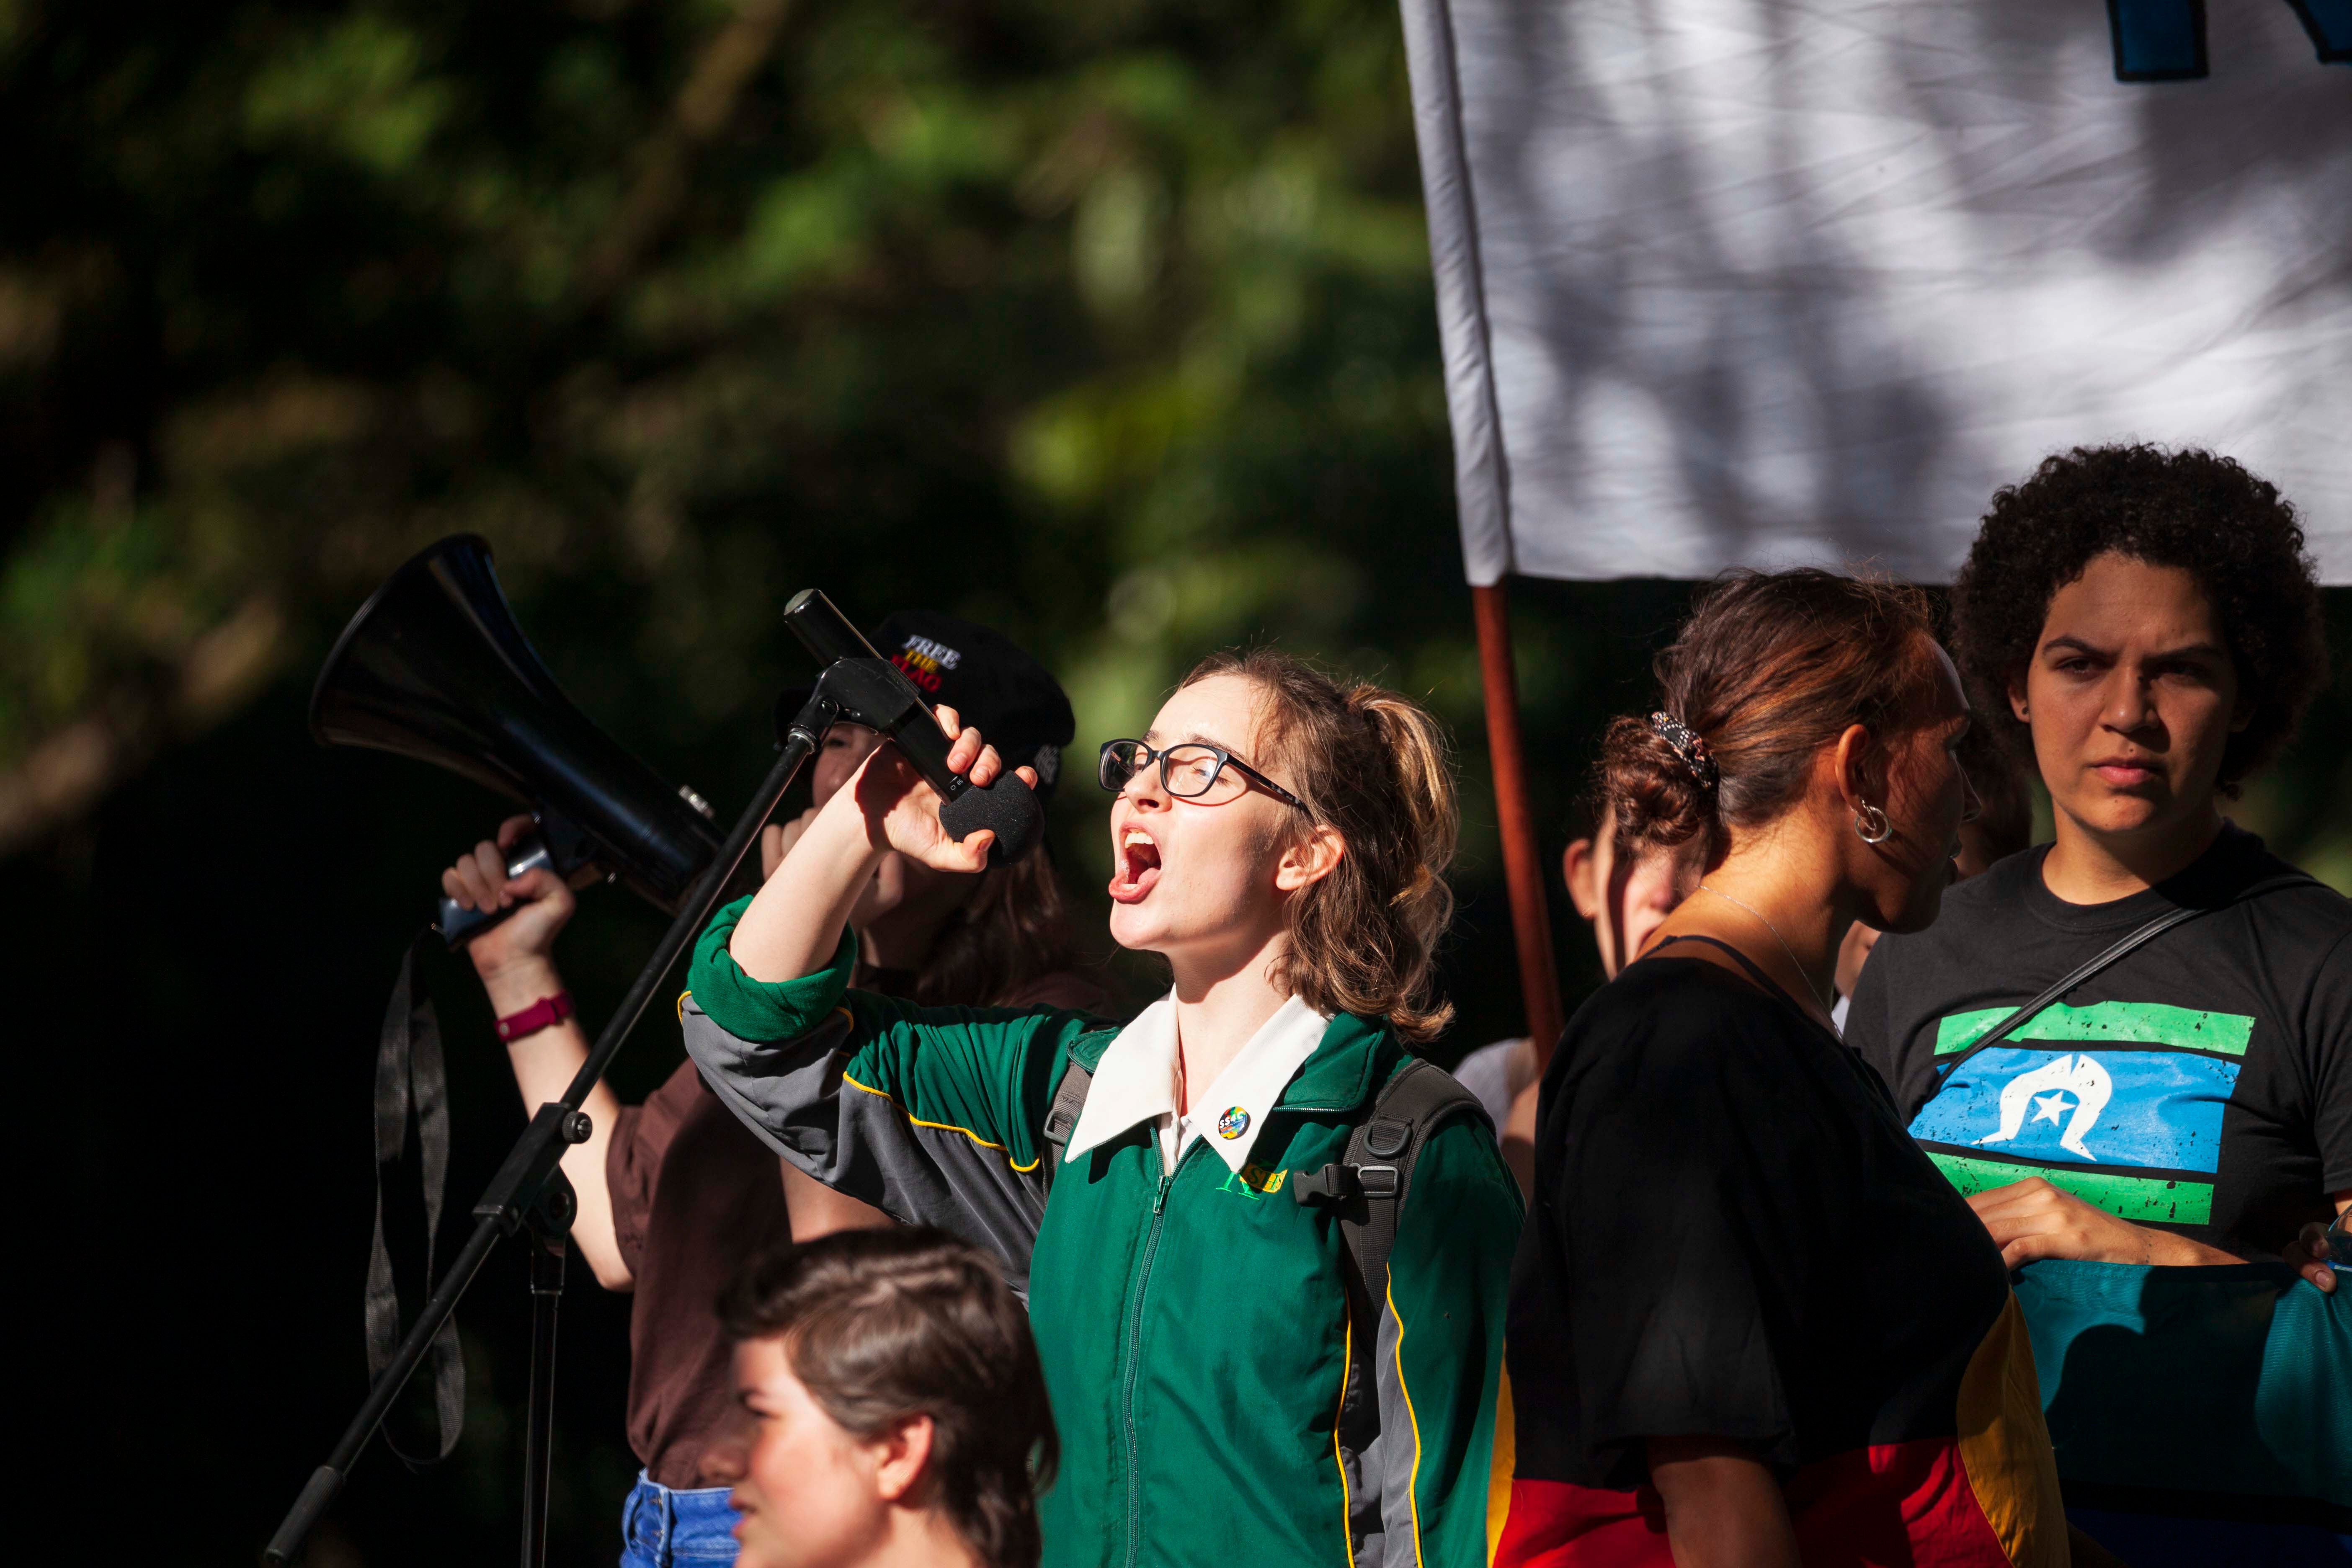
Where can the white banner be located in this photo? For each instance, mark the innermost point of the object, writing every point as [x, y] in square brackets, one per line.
[1728, 282]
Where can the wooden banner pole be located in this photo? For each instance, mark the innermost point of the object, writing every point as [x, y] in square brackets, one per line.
[1523, 870]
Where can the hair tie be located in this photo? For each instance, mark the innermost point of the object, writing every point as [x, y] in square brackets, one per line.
[1689, 748]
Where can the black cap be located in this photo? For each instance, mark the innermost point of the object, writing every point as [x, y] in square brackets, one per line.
[1021, 709]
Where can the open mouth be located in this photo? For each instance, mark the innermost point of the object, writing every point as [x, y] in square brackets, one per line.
[1136, 866]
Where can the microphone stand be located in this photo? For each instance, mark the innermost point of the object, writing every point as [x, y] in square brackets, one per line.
[530, 1191]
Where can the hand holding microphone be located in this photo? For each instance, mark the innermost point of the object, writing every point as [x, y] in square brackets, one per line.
[886, 806]
[877, 693]
[905, 812]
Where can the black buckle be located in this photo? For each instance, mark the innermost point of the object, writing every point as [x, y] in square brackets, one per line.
[1338, 1184]
[1332, 1183]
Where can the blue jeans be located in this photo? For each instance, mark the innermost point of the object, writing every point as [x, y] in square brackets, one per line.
[666, 1528]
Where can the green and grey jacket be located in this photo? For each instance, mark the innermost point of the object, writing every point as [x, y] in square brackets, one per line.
[1194, 1327]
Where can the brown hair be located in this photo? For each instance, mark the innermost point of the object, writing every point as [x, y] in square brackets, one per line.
[883, 1325]
[1373, 766]
[1771, 668]
[2005, 820]
[1011, 932]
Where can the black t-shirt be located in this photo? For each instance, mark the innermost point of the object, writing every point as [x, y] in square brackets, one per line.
[2203, 1083]
[1733, 1236]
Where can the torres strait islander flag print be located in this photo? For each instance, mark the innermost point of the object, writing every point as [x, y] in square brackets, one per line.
[1969, 1485]
[2119, 1103]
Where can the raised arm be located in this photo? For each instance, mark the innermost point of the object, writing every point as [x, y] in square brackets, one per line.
[815, 1209]
[514, 958]
[796, 921]
[931, 1115]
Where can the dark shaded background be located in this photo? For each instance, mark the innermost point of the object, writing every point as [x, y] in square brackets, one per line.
[1110, 325]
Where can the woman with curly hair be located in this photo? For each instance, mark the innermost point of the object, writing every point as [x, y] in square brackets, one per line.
[2145, 627]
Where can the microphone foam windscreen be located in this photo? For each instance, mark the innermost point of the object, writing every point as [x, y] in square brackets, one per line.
[1008, 805]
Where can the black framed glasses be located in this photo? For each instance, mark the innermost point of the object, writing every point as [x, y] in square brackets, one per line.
[1189, 770]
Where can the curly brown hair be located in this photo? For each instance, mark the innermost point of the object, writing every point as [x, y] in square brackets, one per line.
[2189, 509]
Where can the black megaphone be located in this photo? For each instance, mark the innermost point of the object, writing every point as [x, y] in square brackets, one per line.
[434, 667]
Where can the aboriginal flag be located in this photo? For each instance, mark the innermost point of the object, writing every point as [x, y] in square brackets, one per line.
[1734, 1236]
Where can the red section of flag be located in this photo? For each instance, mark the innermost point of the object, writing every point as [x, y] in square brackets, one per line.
[1554, 1524]
[1894, 1503]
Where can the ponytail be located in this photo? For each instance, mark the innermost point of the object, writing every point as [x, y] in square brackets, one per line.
[1374, 767]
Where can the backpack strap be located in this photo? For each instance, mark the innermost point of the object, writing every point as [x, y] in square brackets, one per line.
[2129, 943]
[1062, 1119]
[1368, 1192]
[1370, 1189]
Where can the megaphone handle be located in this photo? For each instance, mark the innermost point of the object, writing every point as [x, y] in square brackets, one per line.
[459, 925]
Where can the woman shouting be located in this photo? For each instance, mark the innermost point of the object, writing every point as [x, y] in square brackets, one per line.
[1225, 1375]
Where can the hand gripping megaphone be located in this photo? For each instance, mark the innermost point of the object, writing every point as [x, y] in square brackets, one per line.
[434, 666]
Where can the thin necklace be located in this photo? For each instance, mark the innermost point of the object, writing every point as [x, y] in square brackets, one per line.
[1783, 941]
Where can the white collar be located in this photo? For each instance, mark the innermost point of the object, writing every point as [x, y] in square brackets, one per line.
[1136, 1082]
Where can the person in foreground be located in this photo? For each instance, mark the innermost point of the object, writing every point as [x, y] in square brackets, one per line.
[892, 1413]
[2145, 625]
[673, 1193]
[1751, 1323]
[1225, 1379]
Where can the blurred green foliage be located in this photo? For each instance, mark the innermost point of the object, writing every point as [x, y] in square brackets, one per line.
[1108, 323]
[1111, 324]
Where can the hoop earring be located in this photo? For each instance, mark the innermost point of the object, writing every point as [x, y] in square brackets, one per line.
[1870, 825]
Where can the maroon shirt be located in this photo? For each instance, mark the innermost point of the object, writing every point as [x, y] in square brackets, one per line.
[695, 1193]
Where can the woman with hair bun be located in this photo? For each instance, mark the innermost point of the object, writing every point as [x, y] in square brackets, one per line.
[1231, 1380]
[1751, 1323]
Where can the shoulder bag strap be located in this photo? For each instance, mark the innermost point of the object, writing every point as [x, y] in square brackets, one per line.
[2129, 944]
[412, 1083]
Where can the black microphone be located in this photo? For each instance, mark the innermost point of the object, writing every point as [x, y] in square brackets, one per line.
[874, 692]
